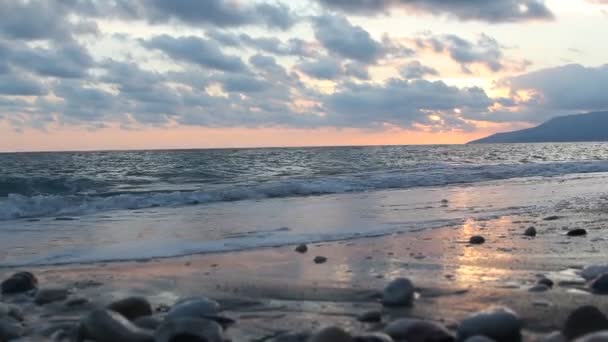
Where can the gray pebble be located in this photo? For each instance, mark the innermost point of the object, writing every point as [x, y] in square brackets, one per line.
[584, 320]
[10, 329]
[500, 324]
[50, 295]
[19, 282]
[593, 271]
[399, 292]
[577, 232]
[373, 337]
[331, 334]
[198, 307]
[10, 311]
[477, 240]
[370, 317]
[320, 259]
[189, 329]
[530, 231]
[110, 326]
[539, 288]
[415, 330]
[301, 248]
[132, 307]
[599, 285]
[545, 281]
[601, 336]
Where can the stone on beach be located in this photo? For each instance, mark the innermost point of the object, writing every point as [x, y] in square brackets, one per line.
[599, 285]
[416, 330]
[10, 330]
[539, 288]
[601, 336]
[148, 322]
[320, 259]
[50, 295]
[584, 320]
[477, 240]
[132, 307]
[373, 337]
[197, 307]
[19, 282]
[530, 231]
[577, 232]
[10, 311]
[399, 292]
[593, 271]
[109, 326]
[301, 248]
[545, 281]
[189, 329]
[331, 334]
[370, 317]
[500, 324]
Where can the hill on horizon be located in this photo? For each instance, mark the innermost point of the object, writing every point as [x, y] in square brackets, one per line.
[568, 128]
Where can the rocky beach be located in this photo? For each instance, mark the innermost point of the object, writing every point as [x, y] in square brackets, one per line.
[441, 284]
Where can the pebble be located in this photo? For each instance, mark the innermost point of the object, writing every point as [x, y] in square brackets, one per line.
[370, 317]
[199, 307]
[189, 329]
[555, 336]
[531, 231]
[593, 271]
[399, 292]
[479, 339]
[500, 324]
[551, 218]
[19, 282]
[599, 285]
[132, 307]
[331, 334]
[477, 240]
[148, 322]
[77, 301]
[415, 330]
[601, 336]
[545, 281]
[584, 320]
[373, 337]
[50, 295]
[577, 232]
[301, 248]
[109, 326]
[10, 330]
[539, 288]
[320, 259]
[10, 311]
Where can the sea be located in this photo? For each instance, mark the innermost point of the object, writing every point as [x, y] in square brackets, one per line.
[81, 207]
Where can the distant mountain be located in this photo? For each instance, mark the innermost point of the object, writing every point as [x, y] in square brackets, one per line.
[569, 128]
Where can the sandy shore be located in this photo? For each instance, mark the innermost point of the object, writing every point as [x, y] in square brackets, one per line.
[270, 291]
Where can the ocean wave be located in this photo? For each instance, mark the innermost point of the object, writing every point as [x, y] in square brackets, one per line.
[17, 205]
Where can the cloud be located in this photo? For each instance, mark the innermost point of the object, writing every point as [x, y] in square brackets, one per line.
[415, 70]
[199, 51]
[67, 60]
[346, 40]
[555, 91]
[486, 51]
[402, 103]
[221, 13]
[19, 84]
[495, 11]
[292, 47]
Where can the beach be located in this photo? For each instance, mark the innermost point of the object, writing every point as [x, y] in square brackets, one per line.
[273, 290]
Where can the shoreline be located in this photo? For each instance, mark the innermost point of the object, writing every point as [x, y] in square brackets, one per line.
[453, 278]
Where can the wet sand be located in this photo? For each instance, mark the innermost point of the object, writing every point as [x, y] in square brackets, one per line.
[270, 291]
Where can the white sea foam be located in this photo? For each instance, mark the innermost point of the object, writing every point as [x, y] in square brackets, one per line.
[20, 206]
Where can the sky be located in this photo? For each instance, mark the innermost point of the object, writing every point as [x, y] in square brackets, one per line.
[147, 74]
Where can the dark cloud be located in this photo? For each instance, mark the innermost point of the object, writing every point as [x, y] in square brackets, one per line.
[324, 69]
[244, 84]
[346, 40]
[203, 52]
[494, 11]
[69, 60]
[415, 70]
[402, 103]
[485, 51]
[292, 47]
[555, 91]
[19, 84]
